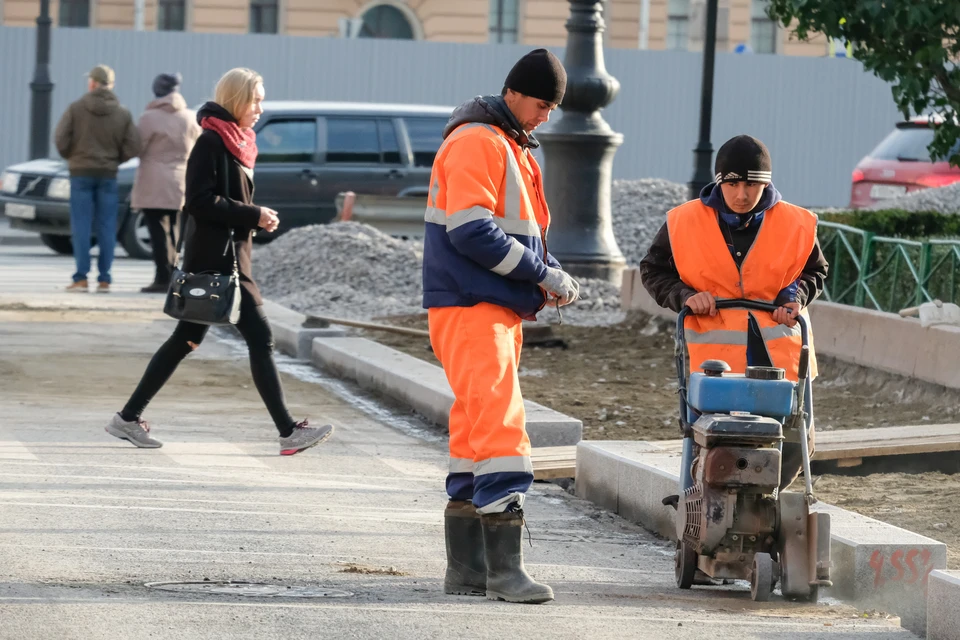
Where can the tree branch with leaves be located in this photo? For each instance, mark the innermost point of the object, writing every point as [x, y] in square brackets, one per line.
[911, 44]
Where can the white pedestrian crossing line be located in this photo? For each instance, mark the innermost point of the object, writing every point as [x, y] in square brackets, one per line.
[38, 270]
[15, 450]
[209, 454]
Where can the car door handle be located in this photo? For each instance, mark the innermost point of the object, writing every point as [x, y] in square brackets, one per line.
[395, 173]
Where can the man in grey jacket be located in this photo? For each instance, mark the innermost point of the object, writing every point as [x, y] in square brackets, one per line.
[95, 135]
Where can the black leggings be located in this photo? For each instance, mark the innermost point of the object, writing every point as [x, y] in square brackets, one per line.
[187, 336]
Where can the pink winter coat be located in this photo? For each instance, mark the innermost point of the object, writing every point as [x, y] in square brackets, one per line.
[167, 130]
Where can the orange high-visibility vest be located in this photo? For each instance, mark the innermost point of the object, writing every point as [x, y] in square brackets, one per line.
[776, 260]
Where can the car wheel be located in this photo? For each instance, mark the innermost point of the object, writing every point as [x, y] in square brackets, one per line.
[61, 244]
[135, 237]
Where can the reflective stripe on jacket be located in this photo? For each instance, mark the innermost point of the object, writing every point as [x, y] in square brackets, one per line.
[776, 259]
[486, 222]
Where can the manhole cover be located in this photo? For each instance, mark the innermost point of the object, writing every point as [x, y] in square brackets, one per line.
[249, 589]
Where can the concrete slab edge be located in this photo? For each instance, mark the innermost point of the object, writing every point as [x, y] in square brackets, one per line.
[874, 564]
[415, 383]
[423, 386]
[943, 606]
[289, 335]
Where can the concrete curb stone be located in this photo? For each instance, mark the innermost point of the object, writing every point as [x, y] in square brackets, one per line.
[874, 564]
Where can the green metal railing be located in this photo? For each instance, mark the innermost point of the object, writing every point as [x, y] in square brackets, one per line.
[888, 274]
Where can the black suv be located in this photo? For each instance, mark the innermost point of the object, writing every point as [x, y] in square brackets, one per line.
[309, 152]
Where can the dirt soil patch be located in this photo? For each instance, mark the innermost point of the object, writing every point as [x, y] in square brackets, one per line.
[621, 382]
[925, 503]
[363, 569]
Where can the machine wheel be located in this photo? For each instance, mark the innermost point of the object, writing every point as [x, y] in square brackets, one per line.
[61, 244]
[135, 236]
[762, 578]
[685, 565]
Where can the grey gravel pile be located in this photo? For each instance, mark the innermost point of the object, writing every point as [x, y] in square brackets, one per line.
[639, 209]
[943, 199]
[345, 269]
[599, 305]
[352, 270]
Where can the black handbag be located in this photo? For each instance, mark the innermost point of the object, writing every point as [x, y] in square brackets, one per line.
[208, 297]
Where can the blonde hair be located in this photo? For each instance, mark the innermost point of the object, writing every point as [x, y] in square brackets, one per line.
[236, 89]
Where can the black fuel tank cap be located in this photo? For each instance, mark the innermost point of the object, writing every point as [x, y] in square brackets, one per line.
[764, 373]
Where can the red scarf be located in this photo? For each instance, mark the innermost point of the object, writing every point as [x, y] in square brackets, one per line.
[242, 143]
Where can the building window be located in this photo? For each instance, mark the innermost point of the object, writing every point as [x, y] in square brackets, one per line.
[171, 15]
[763, 30]
[385, 21]
[74, 13]
[504, 17]
[838, 48]
[263, 16]
[678, 25]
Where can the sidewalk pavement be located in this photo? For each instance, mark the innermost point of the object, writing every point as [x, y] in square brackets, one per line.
[349, 534]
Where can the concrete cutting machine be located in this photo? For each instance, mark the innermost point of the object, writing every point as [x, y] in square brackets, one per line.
[732, 521]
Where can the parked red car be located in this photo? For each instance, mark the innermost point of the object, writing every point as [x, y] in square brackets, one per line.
[900, 164]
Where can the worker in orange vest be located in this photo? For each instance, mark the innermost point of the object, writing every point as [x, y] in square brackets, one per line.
[485, 269]
[741, 240]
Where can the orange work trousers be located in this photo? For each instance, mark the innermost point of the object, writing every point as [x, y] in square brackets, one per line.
[479, 348]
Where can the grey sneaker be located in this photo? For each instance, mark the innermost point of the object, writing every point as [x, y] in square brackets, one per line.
[304, 437]
[137, 432]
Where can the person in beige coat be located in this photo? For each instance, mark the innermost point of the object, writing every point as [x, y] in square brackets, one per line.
[168, 131]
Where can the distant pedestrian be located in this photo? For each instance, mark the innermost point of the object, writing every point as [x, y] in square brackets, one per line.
[95, 135]
[218, 202]
[168, 131]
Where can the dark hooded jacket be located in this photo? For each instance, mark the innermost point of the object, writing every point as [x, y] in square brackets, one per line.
[662, 280]
[95, 135]
[458, 263]
[219, 197]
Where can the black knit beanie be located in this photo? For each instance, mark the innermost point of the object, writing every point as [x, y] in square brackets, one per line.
[539, 74]
[743, 158]
[165, 84]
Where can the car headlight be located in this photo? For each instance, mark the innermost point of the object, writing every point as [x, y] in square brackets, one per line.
[10, 181]
[59, 188]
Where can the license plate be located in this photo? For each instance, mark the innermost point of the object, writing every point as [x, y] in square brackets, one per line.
[26, 211]
[886, 191]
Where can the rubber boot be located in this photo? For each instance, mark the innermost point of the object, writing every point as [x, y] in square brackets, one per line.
[466, 571]
[506, 577]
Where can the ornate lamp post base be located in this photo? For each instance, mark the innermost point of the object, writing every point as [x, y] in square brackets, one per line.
[578, 188]
[579, 155]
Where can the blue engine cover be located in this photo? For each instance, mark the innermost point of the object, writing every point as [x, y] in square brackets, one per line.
[734, 392]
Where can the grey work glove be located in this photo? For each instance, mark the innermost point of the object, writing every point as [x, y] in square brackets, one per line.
[559, 284]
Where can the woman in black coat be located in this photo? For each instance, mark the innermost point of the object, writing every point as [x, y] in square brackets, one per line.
[228, 140]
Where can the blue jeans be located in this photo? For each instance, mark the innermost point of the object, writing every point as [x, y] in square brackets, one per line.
[93, 208]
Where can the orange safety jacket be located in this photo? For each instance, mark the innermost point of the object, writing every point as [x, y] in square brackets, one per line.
[776, 259]
[485, 224]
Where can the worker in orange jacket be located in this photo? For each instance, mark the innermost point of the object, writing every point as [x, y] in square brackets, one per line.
[485, 269]
[739, 239]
